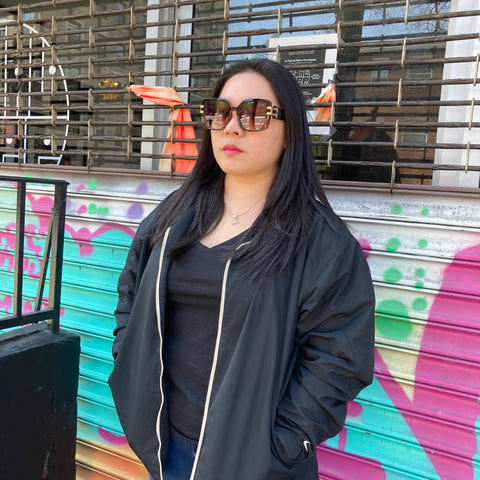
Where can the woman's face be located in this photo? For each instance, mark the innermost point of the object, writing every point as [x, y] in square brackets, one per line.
[249, 155]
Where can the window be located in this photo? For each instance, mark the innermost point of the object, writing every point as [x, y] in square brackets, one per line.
[379, 75]
[420, 73]
[402, 70]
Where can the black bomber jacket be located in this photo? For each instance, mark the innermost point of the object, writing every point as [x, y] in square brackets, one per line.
[288, 356]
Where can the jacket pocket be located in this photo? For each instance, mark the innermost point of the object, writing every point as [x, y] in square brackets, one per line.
[288, 446]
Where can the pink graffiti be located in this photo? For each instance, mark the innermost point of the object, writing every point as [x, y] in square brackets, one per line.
[456, 377]
[7, 256]
[366, 247]
[42, 207]
[82, 209]
[39, 207]
[352, 466]
[83, 237]
[354, 409]
[329, 459]
[6, 304]
[112, 437]
[454, 397]
[28, 305]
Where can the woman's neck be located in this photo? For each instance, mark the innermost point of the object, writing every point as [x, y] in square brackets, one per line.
[241, 190]
[243, 203]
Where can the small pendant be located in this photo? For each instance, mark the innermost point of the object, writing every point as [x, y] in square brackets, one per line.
[234, 219]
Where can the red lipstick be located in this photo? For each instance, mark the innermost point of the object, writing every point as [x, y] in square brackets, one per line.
[231, 149]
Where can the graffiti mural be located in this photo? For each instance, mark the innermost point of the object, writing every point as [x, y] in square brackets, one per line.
[419, 419]
[433, 395]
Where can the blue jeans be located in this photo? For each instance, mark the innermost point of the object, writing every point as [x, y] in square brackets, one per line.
[180, 457]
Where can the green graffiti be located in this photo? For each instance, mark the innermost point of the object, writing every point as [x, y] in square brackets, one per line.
[422, 243]
[94, 210]
[419, 304]
[92, 185]
[425, 212]
[396, 209]
[397, 326]
[392, 275]
[393, 244]
[420, 272]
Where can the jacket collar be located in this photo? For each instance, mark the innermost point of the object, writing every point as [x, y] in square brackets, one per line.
[180, 227]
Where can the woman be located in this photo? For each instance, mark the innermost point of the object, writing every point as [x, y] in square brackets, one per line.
[245, 313]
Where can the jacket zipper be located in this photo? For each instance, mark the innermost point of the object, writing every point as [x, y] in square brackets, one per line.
[214, 368]
[159, 326]
[215, 356]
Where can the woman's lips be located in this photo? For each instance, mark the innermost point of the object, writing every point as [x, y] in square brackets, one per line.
[230, 149]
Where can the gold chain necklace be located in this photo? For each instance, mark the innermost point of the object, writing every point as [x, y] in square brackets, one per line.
[234, 219]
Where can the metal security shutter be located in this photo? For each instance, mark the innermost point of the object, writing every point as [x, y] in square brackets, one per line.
[404, 73]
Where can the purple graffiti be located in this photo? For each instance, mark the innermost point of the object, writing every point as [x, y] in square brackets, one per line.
[142, 188]
[135, 211]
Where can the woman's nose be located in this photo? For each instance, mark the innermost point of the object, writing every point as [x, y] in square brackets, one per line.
[233, 125]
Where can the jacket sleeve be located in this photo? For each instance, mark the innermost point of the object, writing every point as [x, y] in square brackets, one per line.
[335, 334]
[129, 278]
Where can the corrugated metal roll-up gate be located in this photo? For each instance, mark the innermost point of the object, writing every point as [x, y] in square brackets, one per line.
[393, 103]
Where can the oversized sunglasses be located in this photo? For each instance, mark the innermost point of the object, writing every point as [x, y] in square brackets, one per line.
[253, 114]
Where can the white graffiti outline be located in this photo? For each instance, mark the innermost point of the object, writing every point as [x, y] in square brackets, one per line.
[51, 70]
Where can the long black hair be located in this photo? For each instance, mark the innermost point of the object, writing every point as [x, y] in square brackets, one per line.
[291, 201]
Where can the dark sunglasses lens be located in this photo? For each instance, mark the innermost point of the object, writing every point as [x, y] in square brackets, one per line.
[252, 115]
[215, 113]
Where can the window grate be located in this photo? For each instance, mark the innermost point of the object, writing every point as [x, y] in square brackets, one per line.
[403, 71]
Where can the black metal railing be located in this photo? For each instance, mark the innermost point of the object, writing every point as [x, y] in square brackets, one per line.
[53, 254]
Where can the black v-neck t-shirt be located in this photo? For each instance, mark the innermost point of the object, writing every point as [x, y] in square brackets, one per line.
[193, 305]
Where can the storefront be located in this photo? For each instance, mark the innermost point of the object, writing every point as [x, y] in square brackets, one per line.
[398, 150]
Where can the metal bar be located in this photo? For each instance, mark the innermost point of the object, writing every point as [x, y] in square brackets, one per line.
[152, 173]
[19, 249]
[429, 125]
[58, 213]
[25, 319]
[411, 166]
[412, 40]
[121, 91]
[44, 269]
